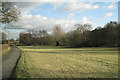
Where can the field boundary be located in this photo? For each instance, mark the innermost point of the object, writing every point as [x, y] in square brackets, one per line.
[20, 68]
[11, 76]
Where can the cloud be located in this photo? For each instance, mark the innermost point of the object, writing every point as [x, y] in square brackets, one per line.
[108, 14]
[56, 4]
[85, 20]
[39, 22]
[28, 26]
[44, 0]
[25, 7]
[110, 6]
[70, 15]
[76, 6]
[13, 34]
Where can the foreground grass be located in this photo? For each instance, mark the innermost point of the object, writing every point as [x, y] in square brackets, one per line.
[59, 62]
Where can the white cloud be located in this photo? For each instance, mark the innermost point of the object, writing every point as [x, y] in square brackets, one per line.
[70, 15]
[39, 22]
[110, 6]
[76, 6]
[108, 14]
[56, 4]
[63, 0]
[85, 20]
[28, 26]
[25, 7]
[13, 34]
[44, 0]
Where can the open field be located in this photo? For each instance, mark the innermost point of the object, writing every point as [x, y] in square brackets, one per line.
[59, 62]
[5, 48]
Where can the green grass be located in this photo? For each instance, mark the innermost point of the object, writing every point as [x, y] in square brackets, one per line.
[60, 62]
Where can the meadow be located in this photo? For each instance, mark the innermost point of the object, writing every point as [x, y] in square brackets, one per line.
[61, 62]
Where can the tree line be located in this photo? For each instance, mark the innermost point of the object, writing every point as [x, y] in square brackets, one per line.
[82, 36]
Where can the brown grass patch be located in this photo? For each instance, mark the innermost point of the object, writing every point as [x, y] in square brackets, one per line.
[5, 49]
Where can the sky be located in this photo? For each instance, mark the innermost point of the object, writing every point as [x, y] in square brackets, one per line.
[44, 15]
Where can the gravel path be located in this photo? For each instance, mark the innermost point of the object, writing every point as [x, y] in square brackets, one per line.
[9, 62]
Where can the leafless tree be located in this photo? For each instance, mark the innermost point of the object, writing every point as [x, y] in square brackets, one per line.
[8, 12]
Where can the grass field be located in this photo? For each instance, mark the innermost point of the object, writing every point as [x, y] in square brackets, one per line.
[59, 62]
[5, 48]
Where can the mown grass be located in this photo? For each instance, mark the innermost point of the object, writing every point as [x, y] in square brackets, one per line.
[61, 62]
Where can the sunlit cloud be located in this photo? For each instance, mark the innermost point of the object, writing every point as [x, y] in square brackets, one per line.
[108, 14]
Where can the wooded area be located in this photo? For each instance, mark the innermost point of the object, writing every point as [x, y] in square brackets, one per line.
[82, 36]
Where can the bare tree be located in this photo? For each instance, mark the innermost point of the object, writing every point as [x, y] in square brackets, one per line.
[8, 12]
[58, 33]
[81, 28]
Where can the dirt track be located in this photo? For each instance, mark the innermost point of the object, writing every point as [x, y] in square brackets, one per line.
[9, 62]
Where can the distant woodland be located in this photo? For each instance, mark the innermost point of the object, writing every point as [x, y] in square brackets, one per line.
[82, 36]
